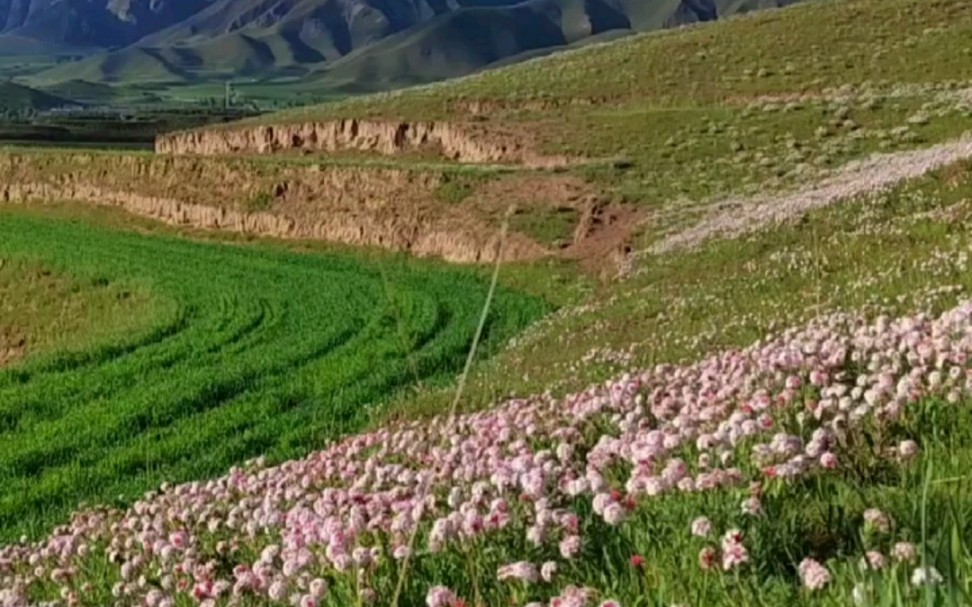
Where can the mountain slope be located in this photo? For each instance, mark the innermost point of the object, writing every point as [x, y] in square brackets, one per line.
[232, 55]
[354, 44]
[92, 23]
[131, 65]
[470, 38]
[18, 98]
[82, 91]
[333, 27]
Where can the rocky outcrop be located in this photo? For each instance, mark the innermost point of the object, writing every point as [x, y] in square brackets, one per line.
[462, 143]
[355, 206]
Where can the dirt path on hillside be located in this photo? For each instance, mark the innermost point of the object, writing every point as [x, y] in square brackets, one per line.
[739, 216]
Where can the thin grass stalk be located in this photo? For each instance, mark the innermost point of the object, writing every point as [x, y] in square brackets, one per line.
[460, 388]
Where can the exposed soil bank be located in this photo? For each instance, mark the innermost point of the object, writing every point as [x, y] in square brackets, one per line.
[389, 208]
[462, 143]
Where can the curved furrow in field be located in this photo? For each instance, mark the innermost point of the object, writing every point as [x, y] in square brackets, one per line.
[255, 350]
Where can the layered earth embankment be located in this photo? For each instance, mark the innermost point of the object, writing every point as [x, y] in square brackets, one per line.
[363, 206]
[457, 142]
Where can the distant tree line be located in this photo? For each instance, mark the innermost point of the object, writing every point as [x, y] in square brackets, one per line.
[17, 114]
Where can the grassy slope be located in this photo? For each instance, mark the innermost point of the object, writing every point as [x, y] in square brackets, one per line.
[232, 55]
[97, 93]
[679, 121]
[825, 43]
[43, 310]
[18, 97]
[130, 66]
[695, 129]
[708, 112]
[12, 45]
[899, 251]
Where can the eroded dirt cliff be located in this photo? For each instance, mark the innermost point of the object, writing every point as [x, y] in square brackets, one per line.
[389, 208]
[466, 143]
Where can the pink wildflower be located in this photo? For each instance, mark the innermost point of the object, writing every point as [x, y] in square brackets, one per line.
[701, 527]
[734, 556]
[813, 575]
[571, 596]
[548, 570]
[614, 514]
[318, 587]
[904, 552]
[440, 596]
[570, 546]
[876, 521]
[873, 560]
[734, 553]
[523, 571]
[752, 506]
[277, 590]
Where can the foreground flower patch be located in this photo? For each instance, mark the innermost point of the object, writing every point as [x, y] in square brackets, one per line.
[537, 501]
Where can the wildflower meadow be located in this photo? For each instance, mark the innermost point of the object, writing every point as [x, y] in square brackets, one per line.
[823, 454]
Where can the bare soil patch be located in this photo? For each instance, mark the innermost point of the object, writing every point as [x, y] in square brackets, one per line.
[600, 229]
[13, 345]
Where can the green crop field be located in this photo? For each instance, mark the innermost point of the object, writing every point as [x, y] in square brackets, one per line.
[242, 352]
[44, 310]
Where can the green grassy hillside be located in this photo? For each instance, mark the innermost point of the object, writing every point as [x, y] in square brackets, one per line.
[18, 98]
[709, 112]
[129, 66]
[65, 311]
[469, 39]
[229, 56]
[850, 42]
[95, 93]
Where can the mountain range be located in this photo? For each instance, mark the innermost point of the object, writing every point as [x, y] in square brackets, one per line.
[342, 43]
